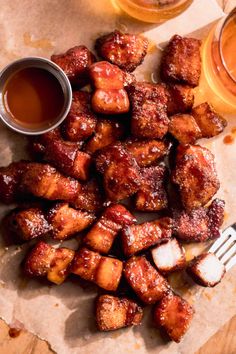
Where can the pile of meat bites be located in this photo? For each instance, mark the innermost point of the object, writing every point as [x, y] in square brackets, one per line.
[123, 139]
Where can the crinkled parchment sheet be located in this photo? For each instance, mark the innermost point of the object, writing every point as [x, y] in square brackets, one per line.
[63, 315]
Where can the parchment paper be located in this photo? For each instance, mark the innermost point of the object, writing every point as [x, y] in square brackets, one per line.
[63, 315]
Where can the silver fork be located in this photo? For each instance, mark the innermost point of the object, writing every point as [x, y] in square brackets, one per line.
[225, 247]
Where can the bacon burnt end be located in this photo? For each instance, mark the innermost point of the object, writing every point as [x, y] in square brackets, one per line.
[180, 98]
[184, 128]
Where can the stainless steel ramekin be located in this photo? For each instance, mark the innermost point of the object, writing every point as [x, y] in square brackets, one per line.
[41, 63]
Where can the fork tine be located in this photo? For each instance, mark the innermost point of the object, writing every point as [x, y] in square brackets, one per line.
[231, 263]
[219, 242]
[225, 246]
[229, 253]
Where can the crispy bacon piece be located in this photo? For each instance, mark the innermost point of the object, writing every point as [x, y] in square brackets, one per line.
[107, 132]
[199, 224]
[103, 271]
[114, 312]
[180, 98]
[149, 117]
[122, 49]
[206, 269]
[66, 221]
[195, 175]
[136, 238]
[169, 256]
[152, 194]
[147, 152]
[75, 63]
[181, 61]
[173, 314]
[103, 233]
[45, 260]
[44, 181]
[208, 120]
[81, 122]
[120, 172]
[184, 128]
[145, 280]
[90, 197]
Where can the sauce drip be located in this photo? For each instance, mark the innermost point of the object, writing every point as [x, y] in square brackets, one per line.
[14, 332]
[228, 139]
[33, 97]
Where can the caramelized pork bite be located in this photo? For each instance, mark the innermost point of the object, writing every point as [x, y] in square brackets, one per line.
[180, 99]
[195, 175]
[113, 313]
[136, 238]
[103, 271]
[81, 122]
[75, 63]
[110, 101]
[147, 152]
[184, 128]
[200, 224]
[106, 76]
[206, 269]
[149, 117]
[169, 256]
[122, 49]
[120, 172]
[181, 61]
[103, 233]
[208, 120]
[173, 314]
[145, 280]
[90, 197]
[152, 194]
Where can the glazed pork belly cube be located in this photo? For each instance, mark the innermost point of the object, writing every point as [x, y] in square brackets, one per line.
[103, 233]
[149, 285]
[107, 132]
[152, 194]
[38, 143]
[122, 49]
[67, 221]
[117, 312]
[104, 271]
[169, 256]
[195, 175]
[147, 152]
[173, 315]
[81, 122]
[181, 61]
[75, 63]
[90, 197]
[206, 269]
[184, 128]
[180, 98]
[149, 118]
[208, 120]
[136, 238]
[200, 224]
[121, 177]
[46, 261]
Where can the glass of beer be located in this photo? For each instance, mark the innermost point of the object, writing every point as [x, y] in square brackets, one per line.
[218, 78]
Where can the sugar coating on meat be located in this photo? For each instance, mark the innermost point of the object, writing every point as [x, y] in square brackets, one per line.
[184, 128]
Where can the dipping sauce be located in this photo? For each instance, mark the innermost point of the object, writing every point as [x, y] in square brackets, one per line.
[33, 97]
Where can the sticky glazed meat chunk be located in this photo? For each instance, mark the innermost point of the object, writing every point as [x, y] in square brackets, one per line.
[114, 312]
[122, 49]
[206, 270]
[200, 224]
[152, 194]
[136, 238]
[104, 271]
[80, 122]
[75, 63]
[121, 177]
[110, 101]
[184, 128]
[173, 314]
[208, 120]
[180, 99]
[107, 132]
[103, 233]
[148, 106]
[147, 283]
[90, 197]
[169, 256]
[66, 221]
[195, 175]
[181, 61]
[37, 144]
[147, 152]
[46, 261]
